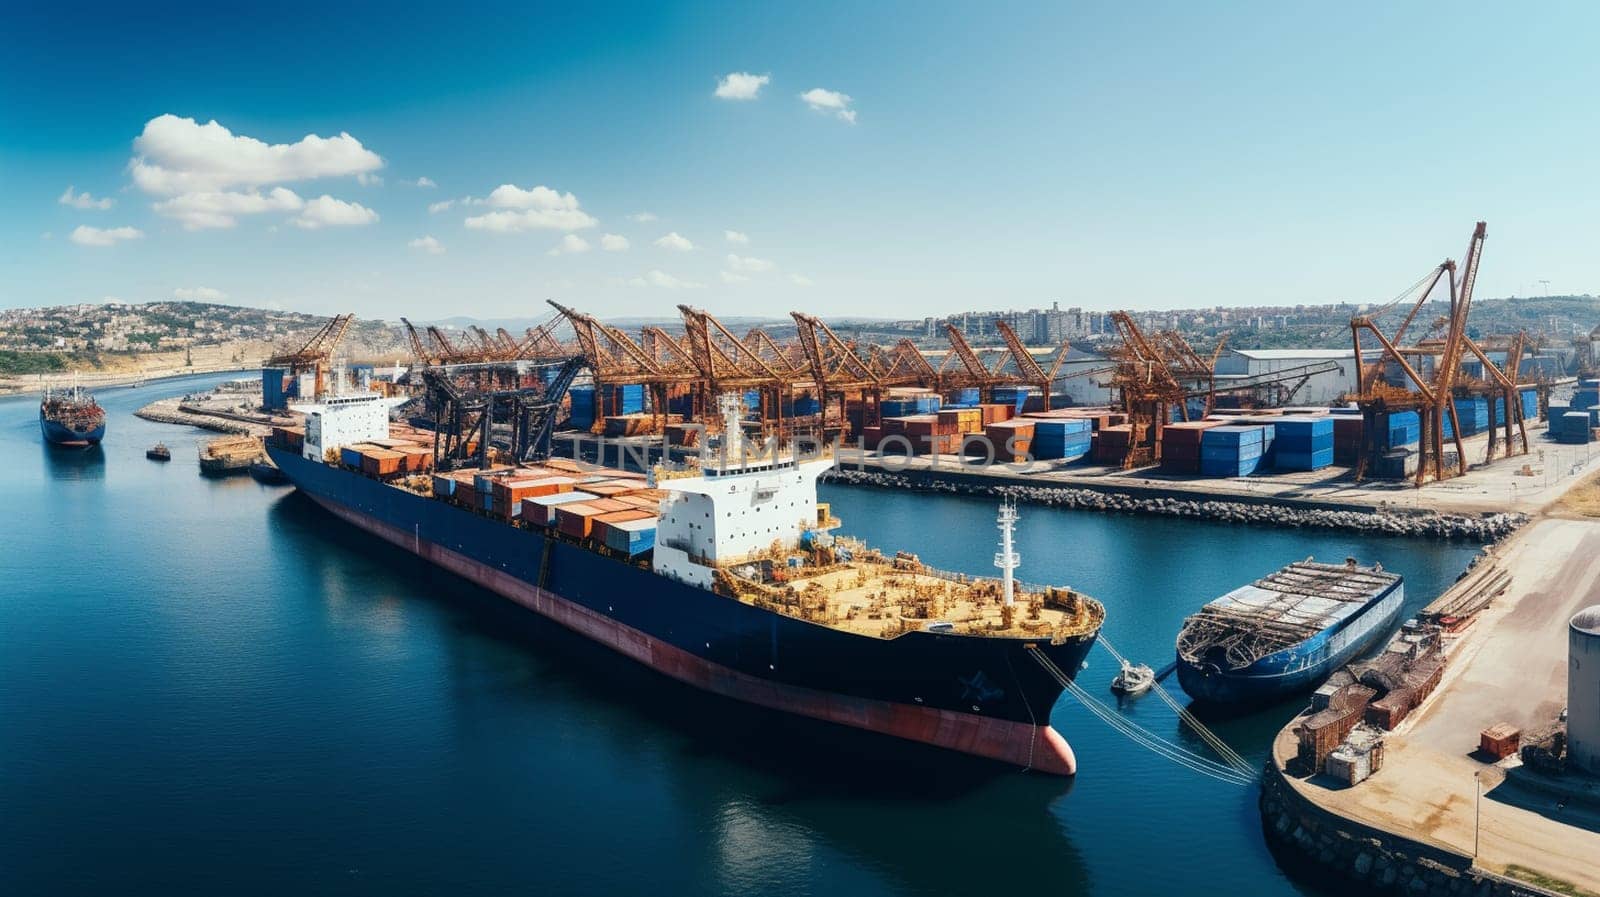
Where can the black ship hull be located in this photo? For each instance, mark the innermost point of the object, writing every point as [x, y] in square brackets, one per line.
[979, 695]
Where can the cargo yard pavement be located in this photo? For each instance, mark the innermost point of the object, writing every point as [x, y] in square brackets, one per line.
[1509, 666]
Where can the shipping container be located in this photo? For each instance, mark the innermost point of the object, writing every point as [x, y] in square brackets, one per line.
[538, 510]
[576, 519]
[632, 537]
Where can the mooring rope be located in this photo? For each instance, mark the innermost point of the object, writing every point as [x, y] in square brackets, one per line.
[1139, 735]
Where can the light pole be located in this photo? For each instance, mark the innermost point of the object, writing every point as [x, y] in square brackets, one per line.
[1477, 813]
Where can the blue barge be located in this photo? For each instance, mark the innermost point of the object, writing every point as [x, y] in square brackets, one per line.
[1285, 633]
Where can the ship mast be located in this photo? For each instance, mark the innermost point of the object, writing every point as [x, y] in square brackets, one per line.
[1006, 558]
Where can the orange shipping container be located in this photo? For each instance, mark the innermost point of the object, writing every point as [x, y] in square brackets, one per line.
[576, 519]
[381, 462]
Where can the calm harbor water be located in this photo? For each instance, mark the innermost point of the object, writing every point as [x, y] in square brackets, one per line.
[212, 687]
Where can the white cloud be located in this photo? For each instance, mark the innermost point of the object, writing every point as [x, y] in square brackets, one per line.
[424, 182]
[730, 277]
[571, 244]
[442, 205]
[738, 237]
[745, 264]
[199, 211]
[676, 242]
[198, 294]
[663, 280]
[642, 217]
[325, 211]
[84, 200]
[540, 208]
[741, 86]
[614, 242]
[369, 180]
[428, 245]
[178, 155]
[833, 101]
[83, 235]
[800, 280]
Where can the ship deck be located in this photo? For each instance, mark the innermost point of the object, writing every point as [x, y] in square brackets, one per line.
[1280, 610]
[883, 598]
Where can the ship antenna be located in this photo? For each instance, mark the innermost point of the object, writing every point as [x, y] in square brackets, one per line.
[1006, 558]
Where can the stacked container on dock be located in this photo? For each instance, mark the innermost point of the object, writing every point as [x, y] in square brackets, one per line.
[1232, 450]
[1061, 438]
[1303, 442]
[1012, 439]
[1180, 445]
[1530, 402]
[1112, 442]
[1015, 396]
[1473, 415]
[1571, 427]
[1348, 438]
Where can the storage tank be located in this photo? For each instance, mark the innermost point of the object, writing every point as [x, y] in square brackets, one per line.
[1583, 690]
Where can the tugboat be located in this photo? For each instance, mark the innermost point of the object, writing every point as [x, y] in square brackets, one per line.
[158, 452]
[72, 418]
[1134, 679]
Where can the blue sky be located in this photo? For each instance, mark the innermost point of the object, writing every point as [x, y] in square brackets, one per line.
[1104, 155]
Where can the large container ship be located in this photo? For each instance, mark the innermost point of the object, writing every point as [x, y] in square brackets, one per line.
[1286, 632]
[71, 418]
[736, 584]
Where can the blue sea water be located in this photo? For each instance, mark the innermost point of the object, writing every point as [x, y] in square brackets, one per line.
[212, 687]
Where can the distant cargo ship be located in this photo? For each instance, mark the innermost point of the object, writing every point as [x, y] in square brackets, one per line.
[72, 418]
[1287, 632]
[733, 583]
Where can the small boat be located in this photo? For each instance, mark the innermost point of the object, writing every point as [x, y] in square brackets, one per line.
[158, 452]
[1284, 633]
[1133, 679]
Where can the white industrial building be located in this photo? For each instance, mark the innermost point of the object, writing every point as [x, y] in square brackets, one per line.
[1321, 389]
[1583, 690]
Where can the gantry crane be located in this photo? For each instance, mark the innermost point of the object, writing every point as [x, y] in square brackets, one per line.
[1147, 388]
[316, 353]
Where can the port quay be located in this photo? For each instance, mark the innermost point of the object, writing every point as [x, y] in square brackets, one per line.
[873, 450]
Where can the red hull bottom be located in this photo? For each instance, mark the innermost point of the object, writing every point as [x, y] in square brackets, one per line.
[1031, 747]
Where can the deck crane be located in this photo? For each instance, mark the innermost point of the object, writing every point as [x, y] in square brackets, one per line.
[316, 353]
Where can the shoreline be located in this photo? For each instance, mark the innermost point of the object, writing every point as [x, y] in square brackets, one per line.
[111, 381]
